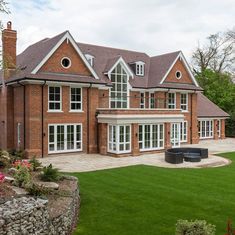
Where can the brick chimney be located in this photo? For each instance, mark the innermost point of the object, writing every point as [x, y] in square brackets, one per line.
[9, 37]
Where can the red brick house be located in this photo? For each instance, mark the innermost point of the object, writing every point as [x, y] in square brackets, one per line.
[60, 96]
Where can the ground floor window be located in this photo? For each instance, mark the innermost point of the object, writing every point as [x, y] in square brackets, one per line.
[183, 131]
[64, 138]
[219, 128]
[119, 138]
[205, 129]
[151, 136]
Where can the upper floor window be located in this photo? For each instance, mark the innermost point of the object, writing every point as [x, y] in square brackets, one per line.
[75, 99]
[142, 100]
[171, 101]
[119, 91]
[140, 68]
[66, 62]
[54, 98]
[184, 101]
[151, 100]
[90, 59]
[178, 74]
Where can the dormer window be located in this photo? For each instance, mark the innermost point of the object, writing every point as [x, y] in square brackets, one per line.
[139, 68]
[90, 59]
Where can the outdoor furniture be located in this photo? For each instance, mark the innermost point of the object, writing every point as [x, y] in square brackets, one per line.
[178, 155]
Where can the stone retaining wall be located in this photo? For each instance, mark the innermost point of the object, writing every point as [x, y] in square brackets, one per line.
[28, 215]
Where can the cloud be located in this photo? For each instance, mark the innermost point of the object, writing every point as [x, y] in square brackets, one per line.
[153, 26]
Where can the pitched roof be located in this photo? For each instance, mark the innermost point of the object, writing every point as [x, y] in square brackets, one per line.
[206, 108]
[155, 67]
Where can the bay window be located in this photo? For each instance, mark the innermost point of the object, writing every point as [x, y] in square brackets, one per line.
[119, 140]
[151, 136]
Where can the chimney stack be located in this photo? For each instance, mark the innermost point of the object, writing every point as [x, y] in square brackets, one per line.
[9, 37]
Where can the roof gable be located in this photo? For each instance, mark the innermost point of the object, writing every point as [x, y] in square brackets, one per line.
[67, 36]
[182, 58]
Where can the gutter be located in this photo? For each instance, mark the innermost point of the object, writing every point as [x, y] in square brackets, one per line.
[42, 118]
[88, 115]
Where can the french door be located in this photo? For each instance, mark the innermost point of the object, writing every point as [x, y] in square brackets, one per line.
[64, 138]
[175, 134]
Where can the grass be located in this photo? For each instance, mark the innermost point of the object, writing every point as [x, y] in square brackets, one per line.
[149, 200]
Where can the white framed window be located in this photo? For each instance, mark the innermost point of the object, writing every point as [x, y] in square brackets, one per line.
[18, 134]
[183, 131]
[142, 100]
[54, 98]
[75, 99]
[184, 101]
[205, 129]
[64, 138]
[139, 68]
[119, 138]
[151, 100]
[151, 137]
[119, 91]
[65, 62]
[178, 74]
[219, 128]
[90, 59]
[171, 101]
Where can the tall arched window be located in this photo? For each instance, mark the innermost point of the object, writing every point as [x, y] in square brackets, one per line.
[119, 90]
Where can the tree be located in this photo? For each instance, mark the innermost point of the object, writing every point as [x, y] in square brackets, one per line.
[218, 54]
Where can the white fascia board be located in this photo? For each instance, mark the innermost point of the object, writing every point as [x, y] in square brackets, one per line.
[211, 118]
[67, 36]
[186, 65]
[123, 63]
[149, 89]
[141, 119]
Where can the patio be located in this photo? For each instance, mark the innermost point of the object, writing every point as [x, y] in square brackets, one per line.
[92, 162]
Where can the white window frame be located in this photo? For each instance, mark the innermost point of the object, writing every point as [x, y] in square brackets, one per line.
[90, 59]
[184, 106]
[184, 131]
[49, 101]
[142, 100]
[70, 63]
[139, 71]
[171, 105]
[206, 131]
[75, 102]
[219, 128]
[142, 141]
[65, 138]
[110, 90]
[116, 142]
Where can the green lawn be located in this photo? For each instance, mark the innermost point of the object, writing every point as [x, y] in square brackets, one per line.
[149, 200]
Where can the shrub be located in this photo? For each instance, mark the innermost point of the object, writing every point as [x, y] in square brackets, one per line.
[2, 177]
[16, 155]
[50, 174]
[4, 158]
[22, 177]
[22, 163]
[35, 163]
[197, 227]
[36, 190]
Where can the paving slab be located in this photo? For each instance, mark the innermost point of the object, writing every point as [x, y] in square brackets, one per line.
[81, 162]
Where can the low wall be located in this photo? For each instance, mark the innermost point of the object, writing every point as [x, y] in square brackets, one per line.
[29, 215]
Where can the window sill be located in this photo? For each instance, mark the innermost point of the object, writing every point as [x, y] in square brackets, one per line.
[55, 111]
[185, 111]
[76, 111]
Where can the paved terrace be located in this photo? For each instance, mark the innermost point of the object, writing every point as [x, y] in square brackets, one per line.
[92, 162]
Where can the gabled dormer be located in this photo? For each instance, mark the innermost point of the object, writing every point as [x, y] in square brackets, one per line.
[138, 68]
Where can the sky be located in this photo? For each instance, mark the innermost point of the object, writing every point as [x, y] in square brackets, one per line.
[151, 26]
